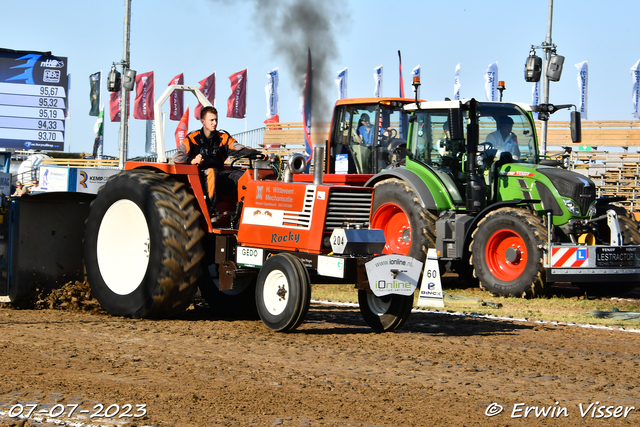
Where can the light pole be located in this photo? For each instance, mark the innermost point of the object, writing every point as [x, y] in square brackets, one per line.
[124, 118]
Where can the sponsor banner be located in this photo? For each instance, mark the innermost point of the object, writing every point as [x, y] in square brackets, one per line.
[271, 91]
[143, 104]
[635, 79]
[90, 180]
[176, 100]
[491, 82]
[150, 146]
[94, 94]
[535, 97]
[377, 76]
[393, 274]
[98, 142]
[54, 178]
[583, 81]
[237, 102]
[208, 89]
[456, 83]
[341, 81]
[115, 105]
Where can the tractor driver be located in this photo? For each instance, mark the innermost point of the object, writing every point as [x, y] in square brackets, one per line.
[503, 140]
[209, 148]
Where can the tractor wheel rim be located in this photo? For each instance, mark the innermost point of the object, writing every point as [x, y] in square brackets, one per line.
[378, 305]
[394, 222]
[275, 293]
[506, 255]
[123, 247]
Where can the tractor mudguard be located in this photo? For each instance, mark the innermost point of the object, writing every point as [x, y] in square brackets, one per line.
[415, 182]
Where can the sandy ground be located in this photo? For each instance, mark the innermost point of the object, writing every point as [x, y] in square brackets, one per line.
[333, 371]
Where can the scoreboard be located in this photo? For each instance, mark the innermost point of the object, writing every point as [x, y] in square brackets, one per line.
[33, 100]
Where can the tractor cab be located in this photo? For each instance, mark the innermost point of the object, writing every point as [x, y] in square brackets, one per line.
[367, 135]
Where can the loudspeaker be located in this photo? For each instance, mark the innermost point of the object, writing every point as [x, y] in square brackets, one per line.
[113, 80]
[554, 68]
[533, 69]
[129, 79]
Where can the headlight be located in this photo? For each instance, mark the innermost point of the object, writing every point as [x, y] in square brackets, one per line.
[592, 210]
[572, 207]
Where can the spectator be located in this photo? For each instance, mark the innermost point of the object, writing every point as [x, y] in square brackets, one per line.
[34, 186]
[19, 190]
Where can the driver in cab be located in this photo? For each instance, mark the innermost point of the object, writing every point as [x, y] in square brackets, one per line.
[208, 148]
[503, 140]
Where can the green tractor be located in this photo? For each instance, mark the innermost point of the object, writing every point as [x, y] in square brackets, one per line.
[466, 177]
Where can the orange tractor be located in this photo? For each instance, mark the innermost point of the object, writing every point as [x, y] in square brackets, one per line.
[148, 247]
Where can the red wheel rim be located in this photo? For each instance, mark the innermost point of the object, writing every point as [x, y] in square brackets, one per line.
[391, 219]
[506, 255]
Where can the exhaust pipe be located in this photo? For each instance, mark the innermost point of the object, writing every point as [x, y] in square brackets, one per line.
[318, 163]
[296, 164]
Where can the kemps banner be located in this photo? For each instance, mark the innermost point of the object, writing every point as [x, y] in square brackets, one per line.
[208, 89]
[177, 98]
[491, 82]
[237, 102]
[143, 104]
[583, 81]
[115, 105]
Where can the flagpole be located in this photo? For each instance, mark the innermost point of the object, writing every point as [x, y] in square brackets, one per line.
[246, 96]
[124, 125]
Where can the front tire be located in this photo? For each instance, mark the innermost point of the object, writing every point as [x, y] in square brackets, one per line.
[283, 292]
[507, 254]
[408, 228]
[387, 313]
[142, 245]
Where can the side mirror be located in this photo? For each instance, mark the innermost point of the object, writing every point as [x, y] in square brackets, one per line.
[576, 127]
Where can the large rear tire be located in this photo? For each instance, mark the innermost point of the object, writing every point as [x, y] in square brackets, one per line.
[507, 254]
[408, 228]
[283, 292]
[142, 245]
[387, 313]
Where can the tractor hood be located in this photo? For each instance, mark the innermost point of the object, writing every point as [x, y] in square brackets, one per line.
[570, 185]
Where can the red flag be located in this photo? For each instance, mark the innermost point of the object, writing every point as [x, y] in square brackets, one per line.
[208, 89]
[177, 98]
[115, 102]
[143, 104]
[183, 128]
[237, 103]
[401, 82]
[274, 119]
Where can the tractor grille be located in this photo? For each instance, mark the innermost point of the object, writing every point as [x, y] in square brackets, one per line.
[348, 206]
[573, 186]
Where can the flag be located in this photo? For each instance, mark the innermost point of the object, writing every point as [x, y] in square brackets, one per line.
[401, 82]
[94, 95]
[583, 81]
[237, 102]
[306, 113]
[491, 82]
[377, 76]
[183, 128]
[456, 83]
[535, 95]
[177, 98]
[272, 92]
[143, 104]
[208, 89]
[115, 105]
[416, 73]
[341, 81]
[635, 79]
[98, 128]
[66, 116]
[150, 146]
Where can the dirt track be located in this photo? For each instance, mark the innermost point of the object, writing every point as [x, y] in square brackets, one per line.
[333, 371]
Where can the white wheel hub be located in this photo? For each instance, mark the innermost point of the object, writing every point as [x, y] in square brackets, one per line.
[123, 247]
[378, 305]
[275, 293]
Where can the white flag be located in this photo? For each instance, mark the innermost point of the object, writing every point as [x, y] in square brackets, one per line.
[341, 81]
[491, 82]
[272, 93]
[635, 78]
[535, 95]
[377, 76]
[583, 80]
[416, 73]
[456, 83]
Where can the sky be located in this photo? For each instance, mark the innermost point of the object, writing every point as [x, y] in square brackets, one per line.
[200, 37]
